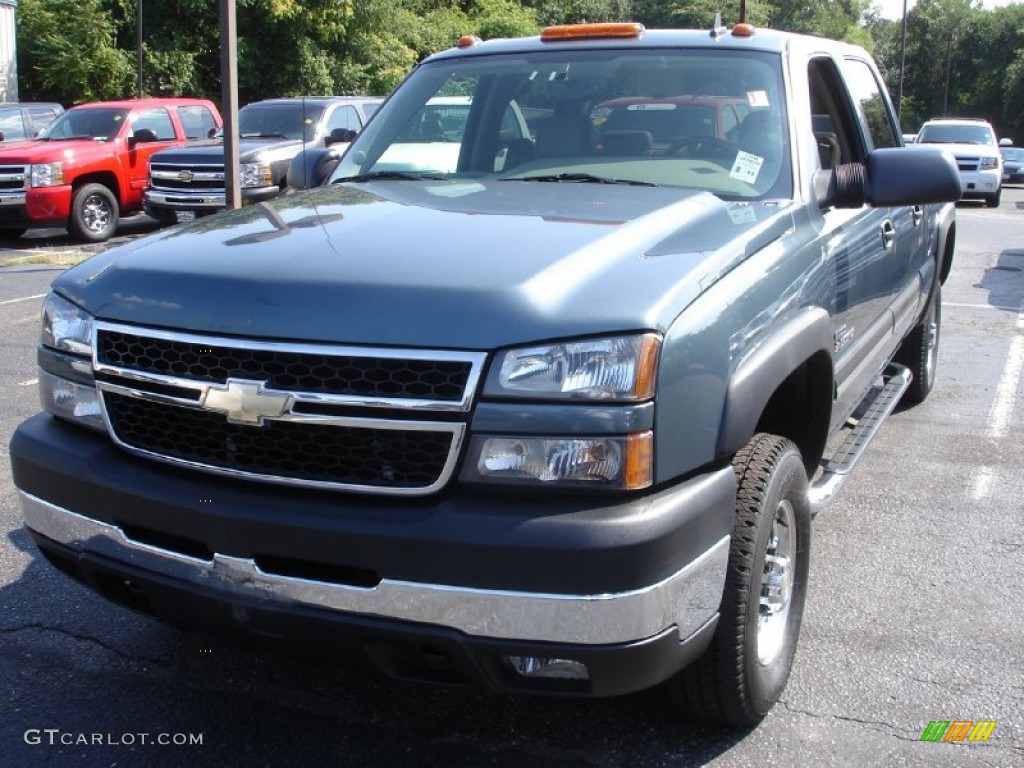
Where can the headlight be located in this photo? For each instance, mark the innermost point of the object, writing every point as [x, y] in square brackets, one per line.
[988, 163]
[65, 383]
[66, 327]
[610, 462]
[47, 175]
[614, 368]
[255, 174]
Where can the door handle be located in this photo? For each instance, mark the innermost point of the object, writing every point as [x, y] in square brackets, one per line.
[918, 213]
[888, 234]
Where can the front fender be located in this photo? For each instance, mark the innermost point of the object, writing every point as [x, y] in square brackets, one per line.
[759, 375]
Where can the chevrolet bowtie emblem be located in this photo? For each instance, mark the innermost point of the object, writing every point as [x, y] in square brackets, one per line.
[245, 402]
[185, 176]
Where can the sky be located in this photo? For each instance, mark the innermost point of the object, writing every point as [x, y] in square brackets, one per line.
[893, 9]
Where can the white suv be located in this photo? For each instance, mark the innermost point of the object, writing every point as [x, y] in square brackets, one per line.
[973, 143]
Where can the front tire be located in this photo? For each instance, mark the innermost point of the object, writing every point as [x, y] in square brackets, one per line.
[94, 214]
[744, 670]
[993, 202]
[920, 352]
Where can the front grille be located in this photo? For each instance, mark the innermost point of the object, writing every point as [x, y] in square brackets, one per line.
[318, 372]
[367, 419]
[381, 458]
[12, 177]
[186, 177]
[968, 163]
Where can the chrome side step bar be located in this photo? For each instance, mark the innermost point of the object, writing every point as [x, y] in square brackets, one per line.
[875, 409]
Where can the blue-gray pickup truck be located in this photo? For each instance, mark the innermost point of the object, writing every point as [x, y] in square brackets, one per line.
[539, 396]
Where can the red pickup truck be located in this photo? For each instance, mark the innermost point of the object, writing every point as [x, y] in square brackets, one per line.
[90, 165]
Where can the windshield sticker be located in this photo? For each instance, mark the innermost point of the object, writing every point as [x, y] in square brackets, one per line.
[746, 167]
[758, 99]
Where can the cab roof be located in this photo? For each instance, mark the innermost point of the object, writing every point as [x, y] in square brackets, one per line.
[177, 101]
[740, 37]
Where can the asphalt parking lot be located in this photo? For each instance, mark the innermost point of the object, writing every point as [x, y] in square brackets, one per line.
[912, 616]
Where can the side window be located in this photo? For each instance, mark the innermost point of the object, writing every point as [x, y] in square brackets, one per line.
[872, 104]
[197, 121]
[343, 117]
[12, 125]
[39, 118]
[157, 120]
[832, 119]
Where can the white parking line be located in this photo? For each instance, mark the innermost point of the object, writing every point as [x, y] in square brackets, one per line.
[1000, 413]
[23, 298]
[28, 382]
[1006, 392]
[960, 305]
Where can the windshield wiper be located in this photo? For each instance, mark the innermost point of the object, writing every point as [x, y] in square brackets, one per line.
[391, 176]
[582, 178]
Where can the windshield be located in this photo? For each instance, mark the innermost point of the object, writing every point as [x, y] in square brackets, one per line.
[1013, 155]
[97, 124]
[956, 134]
[289, 121]
[706, 120]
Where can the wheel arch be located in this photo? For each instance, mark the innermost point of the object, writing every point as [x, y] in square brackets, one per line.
[107, 178]
[946, 245]
[784, 387]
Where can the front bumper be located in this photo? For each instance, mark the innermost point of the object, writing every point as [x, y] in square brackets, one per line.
[616, 582]
[980, 185]
[201, 202]
[37, 207]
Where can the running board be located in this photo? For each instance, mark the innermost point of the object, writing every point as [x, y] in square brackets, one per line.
[875, 408]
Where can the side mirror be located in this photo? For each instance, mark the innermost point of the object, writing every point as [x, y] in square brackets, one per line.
[211, 133]
[341, 135]
[914, 175]
[1, 135]
[141, 136]
[312, 167]
[1006, 142]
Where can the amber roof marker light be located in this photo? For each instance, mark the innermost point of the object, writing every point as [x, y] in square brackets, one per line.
[743, 28]
[591, 31]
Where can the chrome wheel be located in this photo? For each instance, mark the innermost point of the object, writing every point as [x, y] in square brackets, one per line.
[96, 214]
[776, 584]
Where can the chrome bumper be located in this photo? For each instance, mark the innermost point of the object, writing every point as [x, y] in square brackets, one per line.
[212, 200]
[12, 198]
[687, 599]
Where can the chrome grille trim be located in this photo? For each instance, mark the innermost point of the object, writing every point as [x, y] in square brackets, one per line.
[390, 415]
[474, 359]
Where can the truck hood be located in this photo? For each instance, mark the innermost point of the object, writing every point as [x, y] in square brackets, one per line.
[45, 151]
[431, 264]
[212, 150]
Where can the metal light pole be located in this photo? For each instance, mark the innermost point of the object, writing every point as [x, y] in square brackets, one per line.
[949, 63]
[138, 44]
[229, 103]
[903, 67]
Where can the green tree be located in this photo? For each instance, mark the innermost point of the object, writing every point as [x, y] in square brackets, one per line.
[67, 52]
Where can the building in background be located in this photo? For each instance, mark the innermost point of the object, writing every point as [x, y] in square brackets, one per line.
[8, 57]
